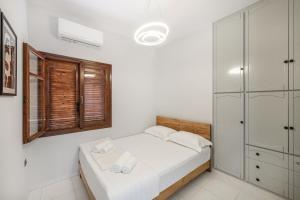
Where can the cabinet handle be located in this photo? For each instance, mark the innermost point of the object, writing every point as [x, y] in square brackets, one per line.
[286, 127]
[291, 128]
[242, 122]
[257, 167]
[286, 61]
[292, 60]
[257, 179]
[257, 154]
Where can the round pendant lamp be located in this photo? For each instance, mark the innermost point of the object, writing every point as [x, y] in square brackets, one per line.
[152, 33]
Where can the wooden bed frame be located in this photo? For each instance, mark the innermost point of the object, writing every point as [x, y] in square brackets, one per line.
[180, 125]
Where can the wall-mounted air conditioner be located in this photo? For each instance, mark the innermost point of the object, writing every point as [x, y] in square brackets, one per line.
[72, 31]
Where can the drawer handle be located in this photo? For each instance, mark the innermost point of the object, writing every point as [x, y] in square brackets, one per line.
[257, 154]
[257, 179]
[286, 127]
[257, 167]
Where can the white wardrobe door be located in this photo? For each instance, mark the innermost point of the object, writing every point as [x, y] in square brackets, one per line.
[228, 133]
[296, 131]
[296, 46]
[228, 54]
[266, 117]
[267, 45]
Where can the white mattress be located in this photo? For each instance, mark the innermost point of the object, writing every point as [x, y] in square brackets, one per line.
[171, 161]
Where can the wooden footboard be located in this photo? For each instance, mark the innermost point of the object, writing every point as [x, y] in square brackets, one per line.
[167, 192]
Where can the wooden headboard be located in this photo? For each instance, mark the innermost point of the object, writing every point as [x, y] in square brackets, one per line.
[202, 129]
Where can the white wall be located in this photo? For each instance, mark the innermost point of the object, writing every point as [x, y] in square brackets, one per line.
[12, 174]
[174, 80]
[53, 158]
[184, 77]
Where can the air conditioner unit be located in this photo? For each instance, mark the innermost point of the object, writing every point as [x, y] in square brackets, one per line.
[72, 31]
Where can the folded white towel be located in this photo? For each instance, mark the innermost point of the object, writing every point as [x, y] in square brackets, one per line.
[106, 148]
[106, 160]
[103, 147]
[118, 165]
[129, 165]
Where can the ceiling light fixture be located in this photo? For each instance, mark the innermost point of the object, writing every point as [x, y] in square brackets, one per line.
[153, 33]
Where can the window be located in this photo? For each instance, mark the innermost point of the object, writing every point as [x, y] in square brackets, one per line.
[34, 94]
[64, 95]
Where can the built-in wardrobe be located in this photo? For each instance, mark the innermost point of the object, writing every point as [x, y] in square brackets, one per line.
[257, 95]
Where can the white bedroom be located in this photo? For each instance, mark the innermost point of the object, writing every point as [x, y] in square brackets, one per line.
[150, 99]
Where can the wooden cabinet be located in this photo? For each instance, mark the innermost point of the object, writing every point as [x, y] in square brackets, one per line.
[267, 45]
[228, 54]
[267, 120]
[228, 133]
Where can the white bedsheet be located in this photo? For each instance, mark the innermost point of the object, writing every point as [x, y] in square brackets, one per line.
[169, 160]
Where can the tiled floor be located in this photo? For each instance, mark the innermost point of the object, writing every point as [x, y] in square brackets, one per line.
[209, 186]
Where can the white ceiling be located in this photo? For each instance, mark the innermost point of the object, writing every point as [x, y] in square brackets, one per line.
[183, 16]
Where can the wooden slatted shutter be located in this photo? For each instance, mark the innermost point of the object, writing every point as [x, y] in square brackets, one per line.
[62, 107]
[64, 95]
[95, 95]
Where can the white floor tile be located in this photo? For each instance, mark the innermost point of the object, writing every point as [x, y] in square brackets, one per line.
[201, 194]
[222, 189]
[35, 195]
[80, 191]
[57, 190]
[76, 181]
[66, 196]
[208, 186]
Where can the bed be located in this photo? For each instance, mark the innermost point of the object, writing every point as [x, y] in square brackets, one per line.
[175, 165]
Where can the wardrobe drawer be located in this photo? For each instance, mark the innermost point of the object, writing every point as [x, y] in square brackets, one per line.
[268, 176]
[271, 157]
[262, 169]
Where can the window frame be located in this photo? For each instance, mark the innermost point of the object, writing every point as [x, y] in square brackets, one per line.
[107, 123]
[107, 104]
[27, 49]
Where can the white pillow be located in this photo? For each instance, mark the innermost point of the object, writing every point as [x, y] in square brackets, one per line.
[161, 132]
[189, 140]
